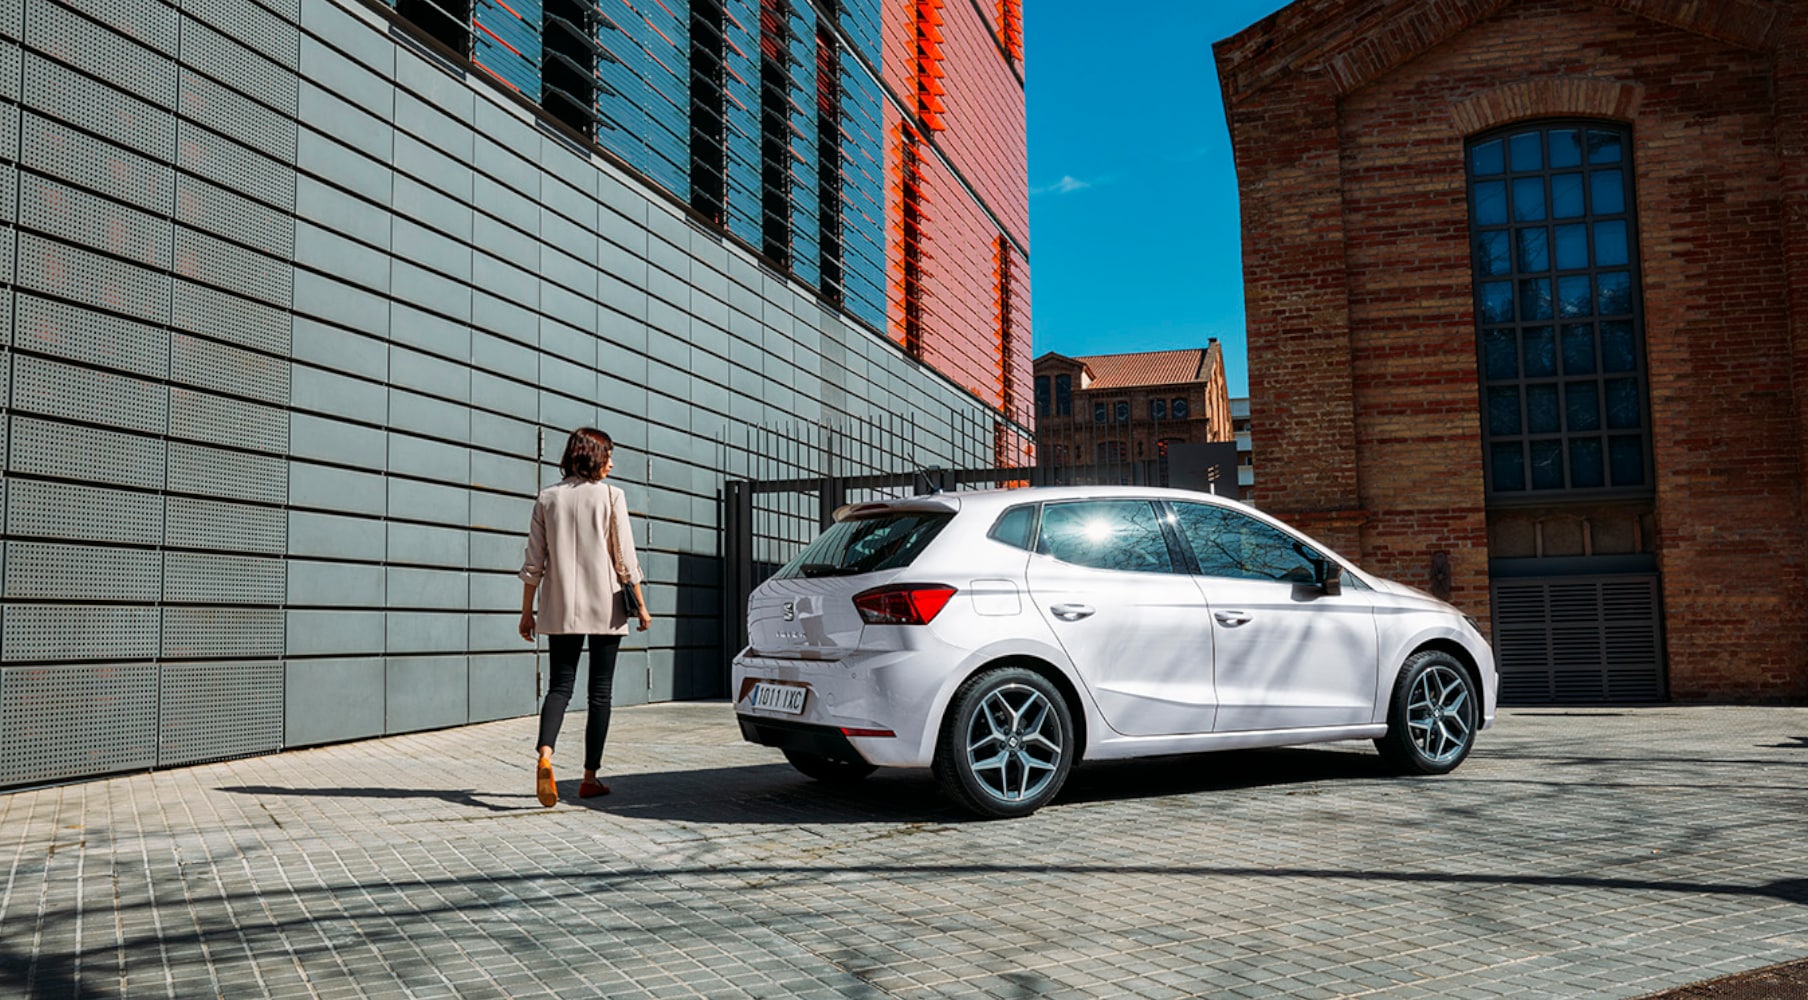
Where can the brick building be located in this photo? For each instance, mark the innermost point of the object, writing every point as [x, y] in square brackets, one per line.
[1126, 409]
[1527, 287]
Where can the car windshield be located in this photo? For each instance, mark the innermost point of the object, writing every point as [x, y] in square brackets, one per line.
[867, 544]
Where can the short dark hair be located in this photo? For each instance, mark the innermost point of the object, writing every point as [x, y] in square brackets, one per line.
[587, 454]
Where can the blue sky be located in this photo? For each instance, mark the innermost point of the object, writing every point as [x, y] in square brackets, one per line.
[1133, 194]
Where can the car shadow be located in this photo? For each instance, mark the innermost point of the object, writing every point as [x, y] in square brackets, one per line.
[776, 793]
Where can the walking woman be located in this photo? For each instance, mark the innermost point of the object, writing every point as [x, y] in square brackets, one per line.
[580, 560]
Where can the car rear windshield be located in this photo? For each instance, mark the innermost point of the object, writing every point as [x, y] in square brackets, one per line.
[867, 544]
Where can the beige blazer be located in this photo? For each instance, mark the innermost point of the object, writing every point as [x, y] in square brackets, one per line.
[568, 558]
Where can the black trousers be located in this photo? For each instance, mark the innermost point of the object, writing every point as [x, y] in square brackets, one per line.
[564, 650]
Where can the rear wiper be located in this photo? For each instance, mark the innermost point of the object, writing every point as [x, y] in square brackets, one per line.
[821, 569]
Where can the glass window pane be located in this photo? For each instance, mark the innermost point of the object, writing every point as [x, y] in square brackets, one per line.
[1541, 409]
[1585, 463]
[1572, 247]
[1626, 456]
[1491, 203]
[1547, 465]
[1609, 190]
[1491, 254]
[1528, 199]
[1582, 406]
[1528, 151]
[1158, 409]
[1503, 409]
[1106, 534]
[1501, 353]
[1485, 158]
[1614, 293]
[1534, 249]
[1535, 298]
[1617, 350]
[1603, 147]
[1508, 460]
[1122, 411]
[1566, 147]
[1610, 243]
[1497, 302]
[1573, 297]
[1540, 352]
[1622, 404]
[1566, 196]
[1579, 349]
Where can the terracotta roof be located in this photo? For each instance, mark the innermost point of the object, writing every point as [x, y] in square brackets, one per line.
[1122, 371]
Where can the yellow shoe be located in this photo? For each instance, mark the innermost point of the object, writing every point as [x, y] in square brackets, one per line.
[544, 786]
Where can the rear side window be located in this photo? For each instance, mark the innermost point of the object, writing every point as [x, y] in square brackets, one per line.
[867, 544]
[1106, 534]
[1014, 526]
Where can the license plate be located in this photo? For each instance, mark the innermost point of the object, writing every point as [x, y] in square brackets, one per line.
[786, 698]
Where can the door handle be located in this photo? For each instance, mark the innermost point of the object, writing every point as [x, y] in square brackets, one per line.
[1071, 612]
[1232, 618]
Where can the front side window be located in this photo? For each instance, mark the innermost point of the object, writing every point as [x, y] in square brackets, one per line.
[1106, 534]
[1560, 336]
[1231, 544]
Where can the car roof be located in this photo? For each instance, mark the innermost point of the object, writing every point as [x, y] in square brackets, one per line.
[983, 501]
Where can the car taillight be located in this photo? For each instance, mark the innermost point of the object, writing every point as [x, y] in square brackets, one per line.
[903, 604]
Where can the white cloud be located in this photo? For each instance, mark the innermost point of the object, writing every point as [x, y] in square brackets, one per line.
[1066, 185]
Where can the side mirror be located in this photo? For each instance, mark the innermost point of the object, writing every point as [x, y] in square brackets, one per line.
[1330, 576]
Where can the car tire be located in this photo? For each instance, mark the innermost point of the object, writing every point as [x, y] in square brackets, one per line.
[1432, 716]
[1007, 743]
[828, 770]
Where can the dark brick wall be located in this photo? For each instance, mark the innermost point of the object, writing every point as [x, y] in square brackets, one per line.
[1349, 135]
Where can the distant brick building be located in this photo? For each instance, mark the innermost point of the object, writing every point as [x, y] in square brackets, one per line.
[1126, 409]
[1527, 289]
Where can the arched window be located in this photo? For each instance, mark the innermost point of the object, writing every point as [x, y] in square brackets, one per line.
[1560, 337]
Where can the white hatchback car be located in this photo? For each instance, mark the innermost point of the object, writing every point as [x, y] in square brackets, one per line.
[1000, 637]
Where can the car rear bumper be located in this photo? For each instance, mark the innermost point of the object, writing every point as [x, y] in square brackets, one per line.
[800, 737]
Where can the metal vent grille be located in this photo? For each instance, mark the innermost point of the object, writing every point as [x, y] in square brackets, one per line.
[70, 272]
[224, 161]
[214, 524]
[233, 267]
[228, 112]
[58, 32]
[193, 633]
[61, 722]
[195, 468]
[96, 338]
[55, 389]
[1572, 640]
[80, 572]
[210, 365]
[149, 21]
[252, 25]
[81, 159]
[224, 316]
[77, 632]
[243, 70]
[48, 448]
[206, 417]
[210, 711]
[223, 213]
[72, 214]
[86, 102]
[44, 509]
[9, 113]
[198, 578]
[10, 54]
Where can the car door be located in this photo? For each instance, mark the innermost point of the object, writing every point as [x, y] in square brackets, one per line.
[1134, 624]
[1287, 655]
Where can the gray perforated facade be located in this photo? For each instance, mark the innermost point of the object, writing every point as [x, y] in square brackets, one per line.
[297, 319]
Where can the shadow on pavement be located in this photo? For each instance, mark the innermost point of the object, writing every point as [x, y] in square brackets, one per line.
[459, 797]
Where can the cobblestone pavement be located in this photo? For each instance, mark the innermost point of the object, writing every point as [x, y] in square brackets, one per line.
[1608, 853]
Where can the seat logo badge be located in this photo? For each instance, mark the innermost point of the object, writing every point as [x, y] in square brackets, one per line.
[790, 611]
